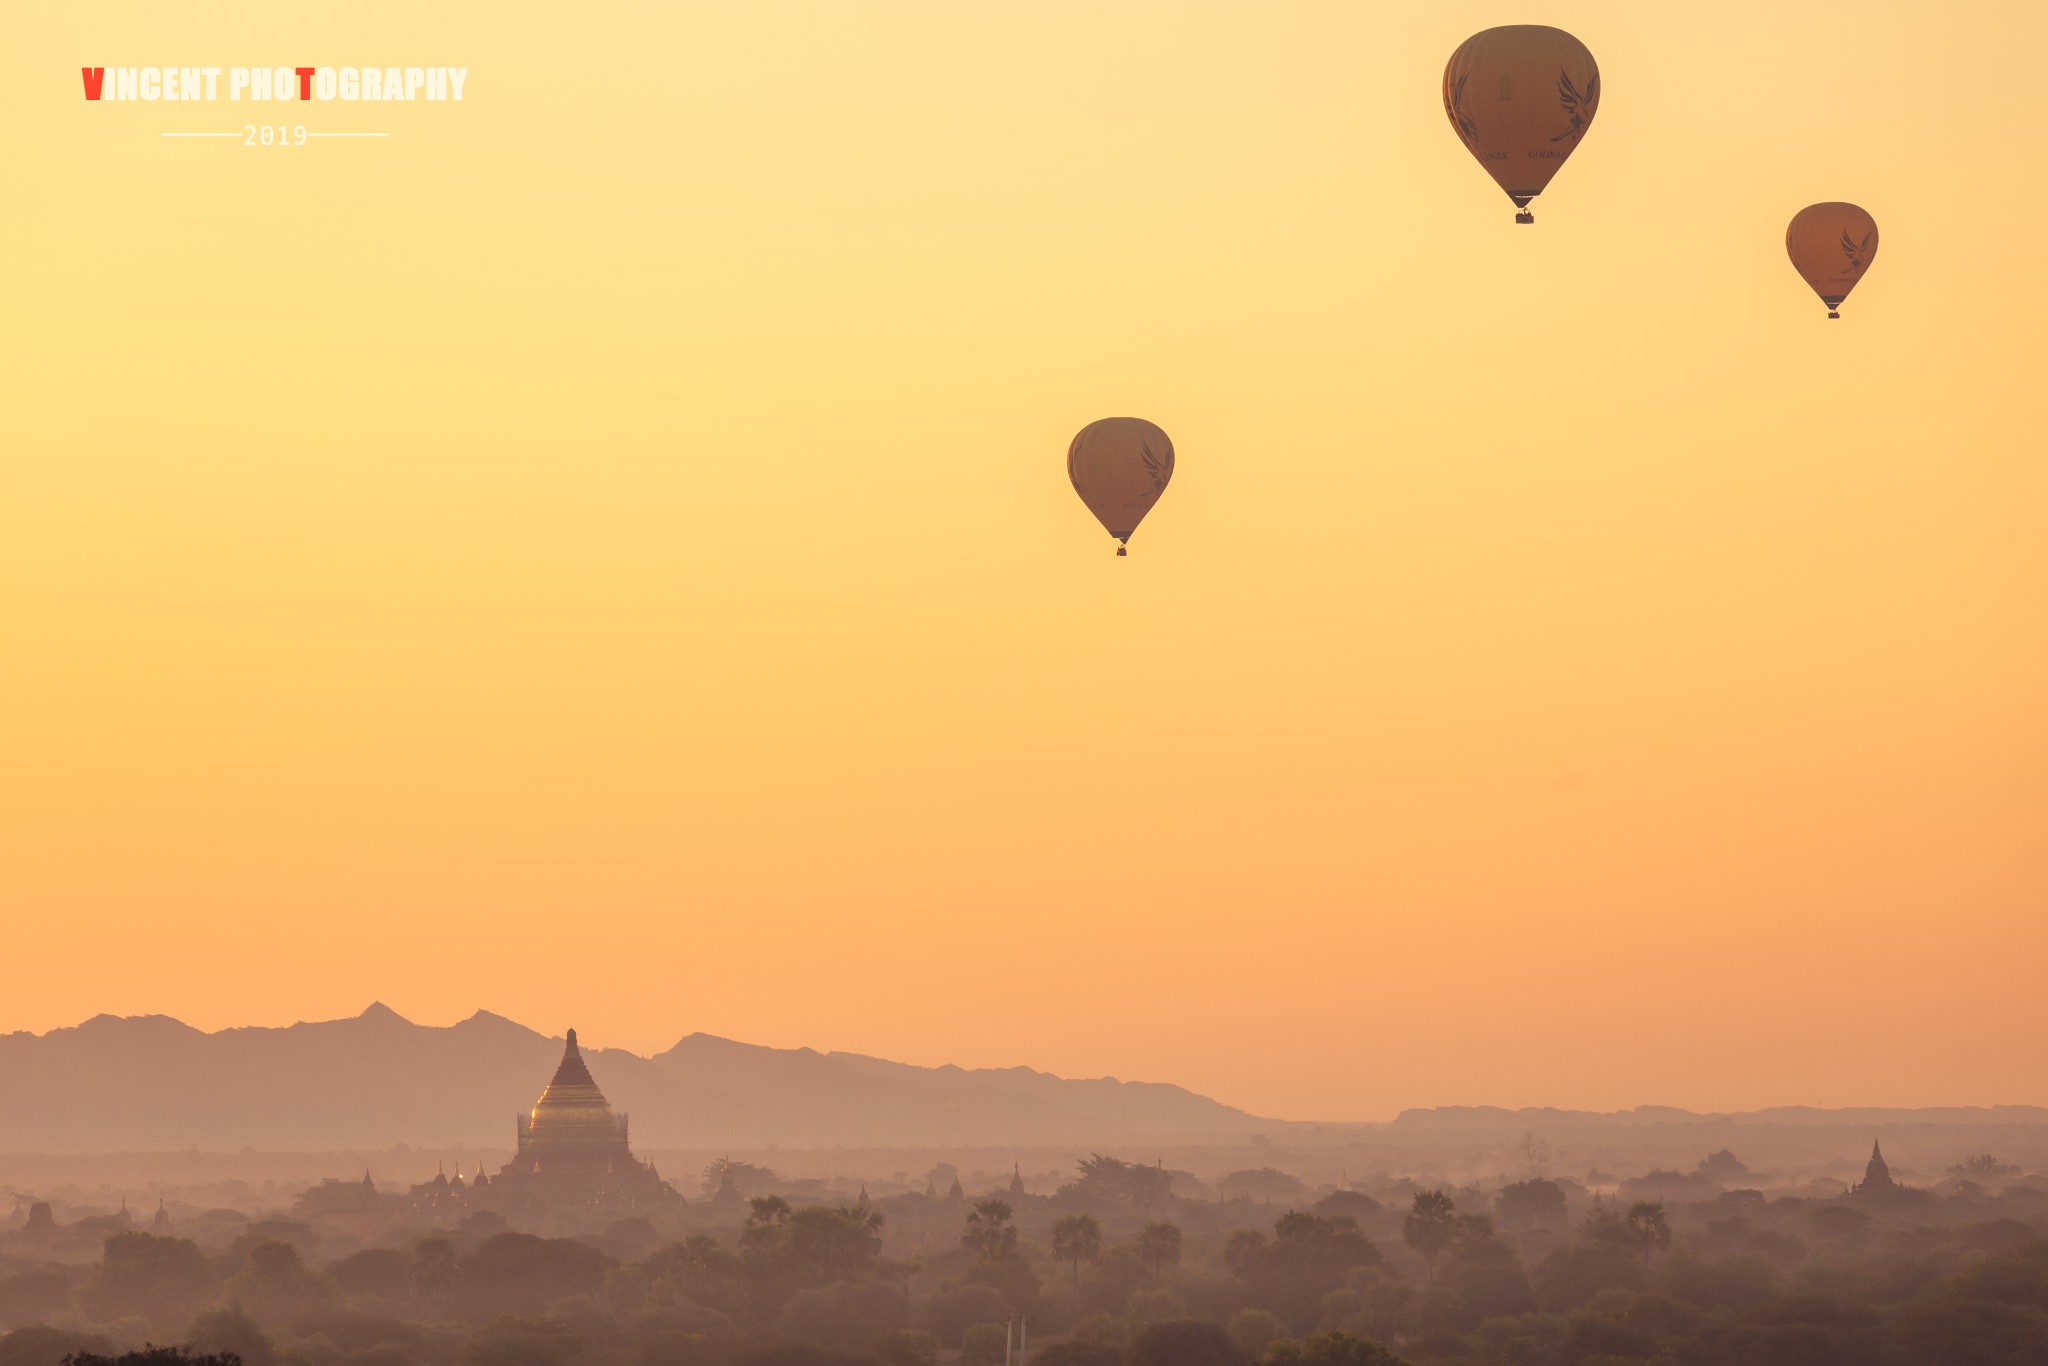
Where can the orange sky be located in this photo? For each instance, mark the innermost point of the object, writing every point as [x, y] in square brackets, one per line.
[604, 553]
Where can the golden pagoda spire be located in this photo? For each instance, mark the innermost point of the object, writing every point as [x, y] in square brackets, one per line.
[572, 1121]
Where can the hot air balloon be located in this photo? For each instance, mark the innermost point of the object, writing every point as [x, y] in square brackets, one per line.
[1120, 466]
[1831, 245]
[1521, 97]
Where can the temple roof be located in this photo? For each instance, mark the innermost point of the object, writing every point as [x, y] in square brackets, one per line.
[572, 1072]
[572, 1120]
[573, 1094]
[573, 1150]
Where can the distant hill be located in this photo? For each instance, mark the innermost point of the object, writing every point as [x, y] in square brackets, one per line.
[1489, 1116]
[150, 1083]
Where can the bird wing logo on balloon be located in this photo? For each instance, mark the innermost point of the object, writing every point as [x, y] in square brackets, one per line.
[1857, 252]
[1160, 473]
[1467, 129]
[1579, 107]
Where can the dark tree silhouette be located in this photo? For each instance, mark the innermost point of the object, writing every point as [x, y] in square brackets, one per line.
[1077, 1238]
[1722, 1166]
[1430, 1225]
[152, 1355]
[765, 1210]
[1159, 1244]
[1112, 1181]
[989, 1233]
[1308, 1257]
[1651, 1229]
[1535, 1203]
[842, 1243]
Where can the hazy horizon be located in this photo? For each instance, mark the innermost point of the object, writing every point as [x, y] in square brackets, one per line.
[597, 1046]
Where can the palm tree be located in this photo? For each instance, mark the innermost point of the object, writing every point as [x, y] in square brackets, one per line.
[767, 1225]
[1431, 1222]
[989, 1231]
[1159, 1242]
[1077, 1238]
[1646, 1220]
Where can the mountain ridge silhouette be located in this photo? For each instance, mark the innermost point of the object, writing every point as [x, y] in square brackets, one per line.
[151, 1082]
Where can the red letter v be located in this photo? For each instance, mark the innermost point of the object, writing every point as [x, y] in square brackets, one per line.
[95, 80]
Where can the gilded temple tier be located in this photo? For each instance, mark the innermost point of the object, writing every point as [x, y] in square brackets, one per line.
[573, 1150]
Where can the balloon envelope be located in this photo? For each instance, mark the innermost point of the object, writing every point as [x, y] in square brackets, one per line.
[1831, 245]
[1120, 466]
[1520, 98]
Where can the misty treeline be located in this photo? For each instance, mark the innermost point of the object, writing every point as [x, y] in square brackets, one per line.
[1111, 1269]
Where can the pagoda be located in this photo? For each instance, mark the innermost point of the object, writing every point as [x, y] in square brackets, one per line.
[1877, 1176]
[573, 1151]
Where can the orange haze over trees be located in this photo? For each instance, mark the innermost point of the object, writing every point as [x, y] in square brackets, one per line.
[603, 553]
